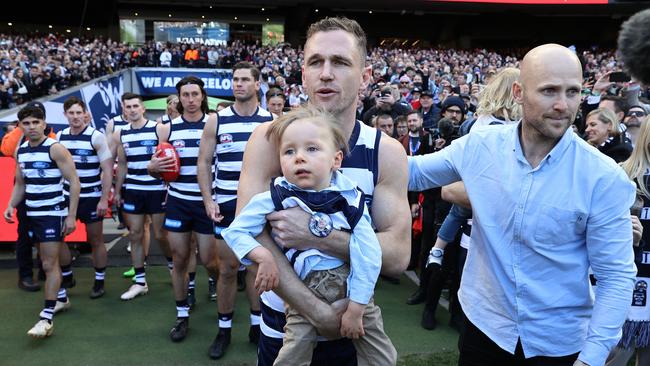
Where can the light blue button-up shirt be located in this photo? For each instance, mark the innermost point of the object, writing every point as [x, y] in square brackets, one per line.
[365, 251]
[535, 233]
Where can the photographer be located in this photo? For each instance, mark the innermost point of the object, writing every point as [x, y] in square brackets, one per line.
[385, 103]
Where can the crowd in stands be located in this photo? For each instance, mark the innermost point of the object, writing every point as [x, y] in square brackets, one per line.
[36, 66]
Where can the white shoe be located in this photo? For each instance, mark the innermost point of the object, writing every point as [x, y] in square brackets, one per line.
[42, 329]
[62, 306]
[135, 290]
[128, 247]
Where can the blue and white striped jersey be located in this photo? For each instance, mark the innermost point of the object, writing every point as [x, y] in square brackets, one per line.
[233, 132]
[185, 136]
[85, 158]
[139, 145]
[43, 180]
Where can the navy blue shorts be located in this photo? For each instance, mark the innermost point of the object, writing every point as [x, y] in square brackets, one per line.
[87, 210]
[227, 210]
[183, 216]
[43, 229]
[144, 202]
[338, 352]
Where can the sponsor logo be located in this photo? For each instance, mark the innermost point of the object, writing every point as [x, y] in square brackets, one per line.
[174, 224]
[50, 231]
[179, 144]
[128, 206]
[218, 230]
[41, 165]
[82, 152]
[148, 143]
[225, 138]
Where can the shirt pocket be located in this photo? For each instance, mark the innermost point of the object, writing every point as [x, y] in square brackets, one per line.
[558, 225]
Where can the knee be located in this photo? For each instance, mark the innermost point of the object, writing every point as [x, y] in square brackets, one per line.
[228, 269]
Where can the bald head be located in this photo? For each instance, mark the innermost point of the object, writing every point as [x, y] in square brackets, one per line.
[541, 57]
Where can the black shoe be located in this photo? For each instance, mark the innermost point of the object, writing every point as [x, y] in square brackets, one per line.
[254, 334]
[97, 292]
[219, 345]
[241, 280]
[417, 297]
[28, 284]
[179, 331]
[428, 319]
[121, 226]
[191, 300]
[68, 282]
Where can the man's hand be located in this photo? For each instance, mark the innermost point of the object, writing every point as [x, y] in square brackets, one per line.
[102, 207]
[160, 163]
[603, 83]
[290, 228]
[415, 210]
[637, 230]
[212, 209]
[9, 214]
[440, 143]
[69, 225]
[267, 277]
[117, 197]
[352, 321]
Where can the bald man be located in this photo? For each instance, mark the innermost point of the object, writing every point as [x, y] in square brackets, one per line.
[543, 213]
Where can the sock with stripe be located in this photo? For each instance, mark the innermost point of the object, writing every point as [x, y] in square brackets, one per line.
[192, 282]
[170, 263]
[99, 278]
[62, 296]
[140, 277]
[66, 272]
[48, 311]
[182, 309]
[255, 317]
[225, 321]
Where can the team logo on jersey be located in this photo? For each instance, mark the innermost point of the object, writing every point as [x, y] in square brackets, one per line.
[125, 146]
[179, 144]
[225, 138]
[41, 173]
[83, 159]
[41, 165]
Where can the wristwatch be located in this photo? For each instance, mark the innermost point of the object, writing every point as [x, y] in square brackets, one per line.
[437, 252]
[320, 224]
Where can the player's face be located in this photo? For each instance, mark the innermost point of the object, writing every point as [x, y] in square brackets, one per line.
[33, 128]
[308, 156]
[244, 86]
[133, 110]
[191, 98]
[333, 73]
[75, 116]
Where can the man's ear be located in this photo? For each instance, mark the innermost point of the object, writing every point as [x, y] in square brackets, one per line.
[517, 92]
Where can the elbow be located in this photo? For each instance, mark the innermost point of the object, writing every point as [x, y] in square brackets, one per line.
[395, 268]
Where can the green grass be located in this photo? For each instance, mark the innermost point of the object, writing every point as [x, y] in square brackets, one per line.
[109, 331]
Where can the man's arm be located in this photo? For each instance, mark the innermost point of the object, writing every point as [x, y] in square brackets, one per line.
[204, 167]
[109, 132]
[159, 163]
[120, 175]
[609, 248]
[455, 193]
[100, 144]
[64, 161]
[391, 214]
[17, 195]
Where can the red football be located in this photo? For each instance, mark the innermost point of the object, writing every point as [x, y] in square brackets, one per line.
[169, 150]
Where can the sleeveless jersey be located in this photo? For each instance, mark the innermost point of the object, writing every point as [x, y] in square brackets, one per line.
[139, 145]
[43, 180]
[86, 161]
[233, 132]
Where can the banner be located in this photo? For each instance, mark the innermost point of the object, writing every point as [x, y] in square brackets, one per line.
[218, 82]
[206, 33]
[101, 97]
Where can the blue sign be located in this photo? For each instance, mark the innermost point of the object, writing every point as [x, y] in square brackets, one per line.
[218, 83]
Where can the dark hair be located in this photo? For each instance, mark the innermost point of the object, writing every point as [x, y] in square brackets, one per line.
[188, 80]
[384, 116]
[247, 66]
[128, 96]
[634, 45]
[72, 101]
[31, 111]
[415, 112]
[274, 92]
[620, 105]
[347, 25]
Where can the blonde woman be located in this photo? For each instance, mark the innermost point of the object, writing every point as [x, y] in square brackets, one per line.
[603, 131]
[496, 102]
[636, 331]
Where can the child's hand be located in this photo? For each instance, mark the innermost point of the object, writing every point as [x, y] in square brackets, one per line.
[267, 272]
[351, 322]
